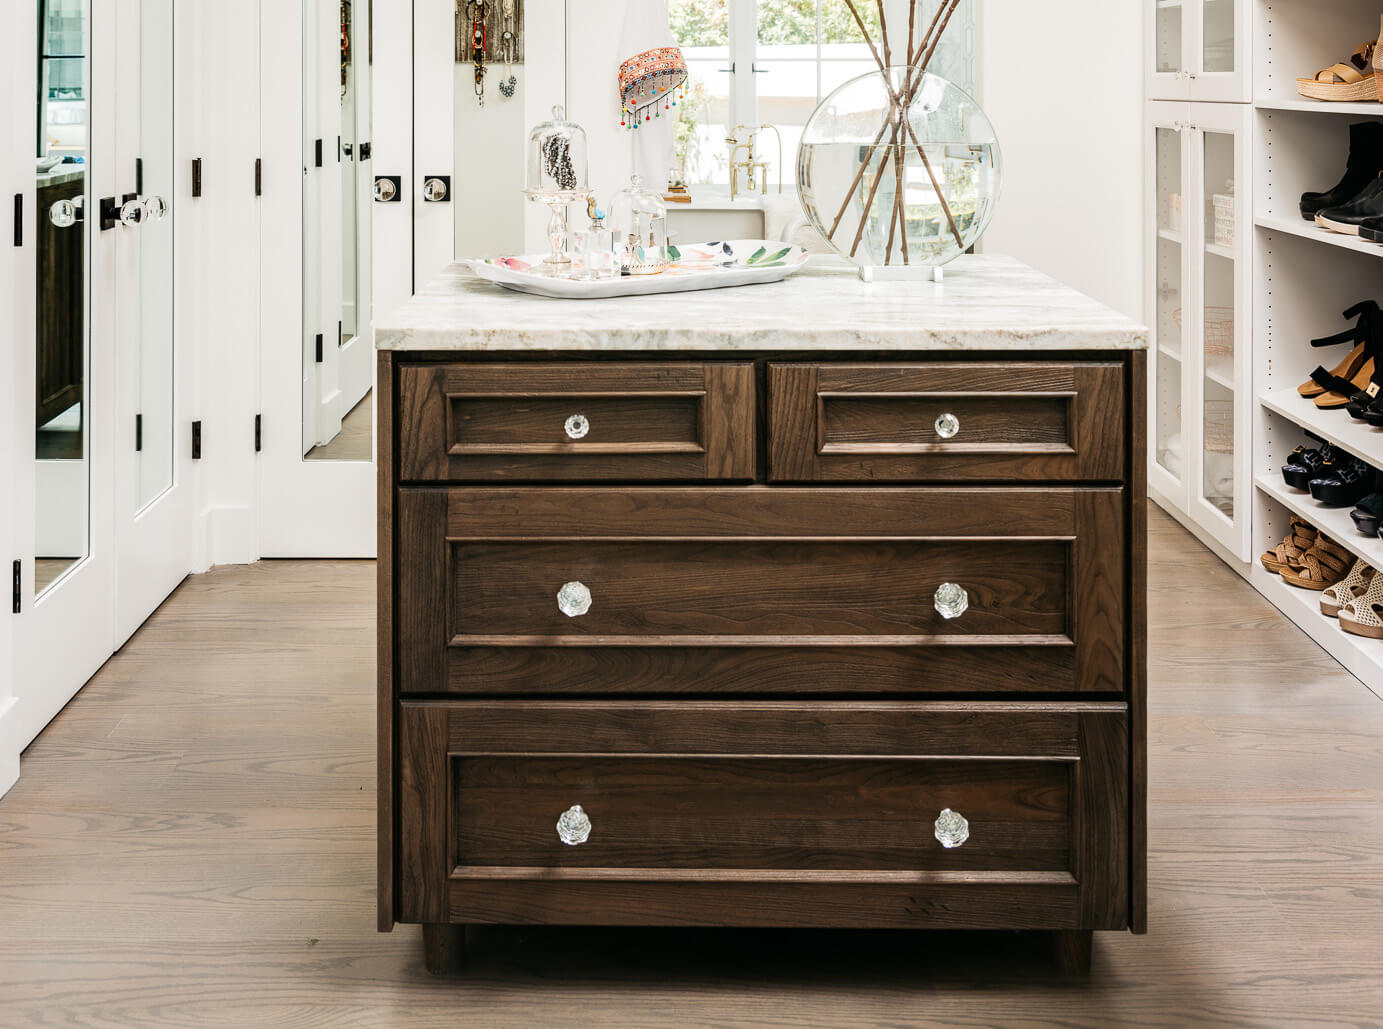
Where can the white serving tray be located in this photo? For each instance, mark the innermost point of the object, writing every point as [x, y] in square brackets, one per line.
[736, 262]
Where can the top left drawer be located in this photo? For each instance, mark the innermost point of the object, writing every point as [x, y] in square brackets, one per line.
[575, 421]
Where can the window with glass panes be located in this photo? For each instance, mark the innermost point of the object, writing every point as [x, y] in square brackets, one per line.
[771, 62]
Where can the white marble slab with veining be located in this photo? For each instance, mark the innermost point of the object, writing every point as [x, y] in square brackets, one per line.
[984, 303]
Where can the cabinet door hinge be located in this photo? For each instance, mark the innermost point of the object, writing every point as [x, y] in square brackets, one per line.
[340, 334]
[259, 433]
[19, 219]
[18, 566]
[196, 441]
[319, 348]
[196, 176]
[138, 433]
[259, 176]
[319, 153]
[139, 175]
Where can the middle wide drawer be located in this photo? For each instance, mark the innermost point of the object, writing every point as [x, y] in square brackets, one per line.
[760, 591]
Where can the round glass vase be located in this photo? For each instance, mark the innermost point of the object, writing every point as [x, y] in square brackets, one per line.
[639, 220]
[557, 176]
[899, 171]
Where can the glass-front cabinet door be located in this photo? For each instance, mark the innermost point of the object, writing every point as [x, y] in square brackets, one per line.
[1169, 304]
[1199, 50]
[1222, 221]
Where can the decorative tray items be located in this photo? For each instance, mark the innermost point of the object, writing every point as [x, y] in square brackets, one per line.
[739, 262]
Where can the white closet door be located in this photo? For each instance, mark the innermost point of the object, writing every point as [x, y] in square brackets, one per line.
[66, 375]
[313, 503]
[153, 483]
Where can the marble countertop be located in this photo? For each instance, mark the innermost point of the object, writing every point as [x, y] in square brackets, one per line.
[985, 303]
[62, 174]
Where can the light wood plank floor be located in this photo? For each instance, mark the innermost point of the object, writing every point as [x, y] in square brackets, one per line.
[191, 844]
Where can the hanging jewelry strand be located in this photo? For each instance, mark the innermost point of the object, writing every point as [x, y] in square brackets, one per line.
[479, 42]
[508, 43]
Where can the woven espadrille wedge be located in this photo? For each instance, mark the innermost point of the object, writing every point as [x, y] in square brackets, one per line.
[1298, 540]
[1364, 617]
[1324, 564]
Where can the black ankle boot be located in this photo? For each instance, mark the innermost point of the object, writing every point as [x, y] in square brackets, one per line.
[1365, 164]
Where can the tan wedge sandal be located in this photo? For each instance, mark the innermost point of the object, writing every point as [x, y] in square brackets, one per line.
[1325, 564]
[1347, 590]
[1364, 617]
[1357, 79]
[1297, 542]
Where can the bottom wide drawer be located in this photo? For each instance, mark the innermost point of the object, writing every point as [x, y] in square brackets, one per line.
[607, 813]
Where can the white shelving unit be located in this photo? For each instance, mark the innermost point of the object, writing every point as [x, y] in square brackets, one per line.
[1299, 279]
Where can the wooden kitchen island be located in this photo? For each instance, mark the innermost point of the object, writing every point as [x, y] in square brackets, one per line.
[819, 603]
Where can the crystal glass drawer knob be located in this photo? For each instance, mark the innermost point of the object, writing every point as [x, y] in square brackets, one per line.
[574, 827]
[947, 426]
[66, 213]
[951, 828]
[577, 426]
[950, 600]
[574, 599]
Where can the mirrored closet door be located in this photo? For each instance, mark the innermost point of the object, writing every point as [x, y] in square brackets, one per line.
[63, 495]
[317, 462]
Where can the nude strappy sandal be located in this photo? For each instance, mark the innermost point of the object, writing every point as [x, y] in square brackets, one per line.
[1352, 80]
[1297, 542]
[1364, 617]
[1325, 564]
[1347, 590]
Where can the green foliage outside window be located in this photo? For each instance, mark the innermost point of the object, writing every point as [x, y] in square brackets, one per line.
[707, 22]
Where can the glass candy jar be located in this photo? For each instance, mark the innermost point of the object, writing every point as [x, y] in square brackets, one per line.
[557, 177]
[639, 220]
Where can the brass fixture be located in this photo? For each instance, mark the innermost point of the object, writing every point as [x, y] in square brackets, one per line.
[750, 166]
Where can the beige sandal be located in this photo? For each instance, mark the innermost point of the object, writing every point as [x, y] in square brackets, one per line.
[1298, 541]
[1325, 564]
[1353, 80]
[1347, 590]
[1362, 618]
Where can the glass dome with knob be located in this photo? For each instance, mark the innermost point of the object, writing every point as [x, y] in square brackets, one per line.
[557, 176]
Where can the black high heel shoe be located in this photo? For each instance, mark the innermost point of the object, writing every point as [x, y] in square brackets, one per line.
[1305, 464]
[1367, 330]
[1343, 482]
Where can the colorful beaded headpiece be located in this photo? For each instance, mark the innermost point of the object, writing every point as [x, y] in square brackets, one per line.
[650, 83]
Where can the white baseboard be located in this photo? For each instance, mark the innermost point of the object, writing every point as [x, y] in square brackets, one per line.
[9, 747]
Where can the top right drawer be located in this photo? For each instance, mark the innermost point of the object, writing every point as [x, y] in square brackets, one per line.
[947, 422]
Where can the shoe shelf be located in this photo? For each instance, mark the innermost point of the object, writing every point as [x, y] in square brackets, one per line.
[1333, 521]
[1298, 226]
[1364, 109]
[1361, 656]
[1337, 427]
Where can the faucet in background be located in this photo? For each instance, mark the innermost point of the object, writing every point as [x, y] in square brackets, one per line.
[750, 166]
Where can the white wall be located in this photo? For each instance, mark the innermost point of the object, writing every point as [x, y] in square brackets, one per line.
[1062, 81]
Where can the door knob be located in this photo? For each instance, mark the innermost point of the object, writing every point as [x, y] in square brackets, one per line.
[133, 213]
[66, 213]
[156, 208]
[437, 189]
[387, 189]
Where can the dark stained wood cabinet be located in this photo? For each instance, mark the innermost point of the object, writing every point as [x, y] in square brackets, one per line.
[60, 358]
[766, 641]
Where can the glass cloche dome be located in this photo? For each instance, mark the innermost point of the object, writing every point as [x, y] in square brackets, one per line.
[557, 159]
[639, 219]
[918, 195]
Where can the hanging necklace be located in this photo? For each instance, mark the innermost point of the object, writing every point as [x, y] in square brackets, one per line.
[508, 42]
[479, 42]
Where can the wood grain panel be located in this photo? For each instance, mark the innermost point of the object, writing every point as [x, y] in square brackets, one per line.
[1101, 822]
[758, 814]
[764, 670]
[838, 728]
[759, 512]
[918, 904]
[1022, 421]
[754, 589]
[385, 694]
[424, 804]
[1137, 575]
[424, 594]
[655, 421]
